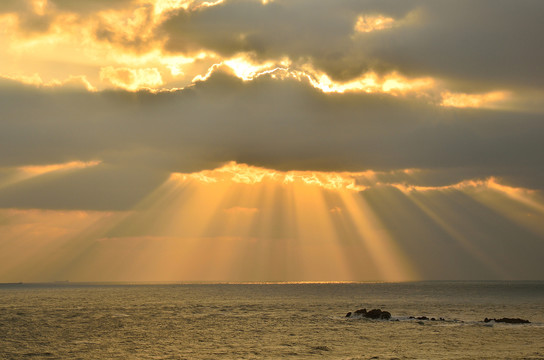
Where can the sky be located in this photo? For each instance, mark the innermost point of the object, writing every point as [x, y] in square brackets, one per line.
[279, 140]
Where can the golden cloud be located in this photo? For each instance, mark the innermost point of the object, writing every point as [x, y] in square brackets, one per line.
[132, 79]
[351, 181]
[123, 48]
[245, 174]
[369, 23]
[462, 100]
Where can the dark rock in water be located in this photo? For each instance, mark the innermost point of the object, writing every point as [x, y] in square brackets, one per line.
[372, 314]
[385, 315]
[426, 318]
[508, 320]
[513, 321]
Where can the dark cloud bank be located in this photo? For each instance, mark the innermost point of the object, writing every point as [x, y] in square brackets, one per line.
[142, 137]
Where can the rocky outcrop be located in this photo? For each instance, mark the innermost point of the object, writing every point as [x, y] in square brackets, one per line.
[426, 318]
[508, 320]
[378, 314]
[372, 314]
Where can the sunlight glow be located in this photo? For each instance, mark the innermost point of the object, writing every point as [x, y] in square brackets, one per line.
[461, 100]
[15, 175]
[131, 79]
[42, 169]
[489, 183]
[245, 174]
[525, 196]
[124, 48]
[369, 82]
[39, 6]
[326, 217]
[393, 83]
[163, 6]
[77, 81]
[245, 223]
[246, 71]
[369, 23]
[520, 205]
[48, 239]
[176, 63]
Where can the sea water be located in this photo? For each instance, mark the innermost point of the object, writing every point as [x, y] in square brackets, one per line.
[270, 321]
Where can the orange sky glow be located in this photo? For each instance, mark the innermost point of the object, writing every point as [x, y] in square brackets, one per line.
[245, 223]
[270, 140]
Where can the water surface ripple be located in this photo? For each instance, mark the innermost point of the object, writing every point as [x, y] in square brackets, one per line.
[270, 321]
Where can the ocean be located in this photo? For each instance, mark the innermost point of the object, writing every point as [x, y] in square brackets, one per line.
[270, 321]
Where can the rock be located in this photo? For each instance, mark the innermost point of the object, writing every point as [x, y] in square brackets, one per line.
[386, 315]
[422, 318]
[372, 314]
[508, 320]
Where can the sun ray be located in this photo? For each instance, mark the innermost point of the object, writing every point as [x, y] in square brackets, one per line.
[322, 258]
[22, 173]
[393, 265]
[357, 254]
[244, 223]
[522, 206]
[448, 220]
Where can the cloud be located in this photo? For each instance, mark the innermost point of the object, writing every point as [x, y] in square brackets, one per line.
[455, 54]
[492, 230]
[459, 42]
[339, 86]
[393, 128]
[371, 23]
[141, 137]
[472, 100]
[131, 79]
